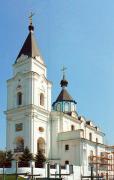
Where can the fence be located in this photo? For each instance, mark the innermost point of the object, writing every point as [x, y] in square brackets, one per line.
[29, 170]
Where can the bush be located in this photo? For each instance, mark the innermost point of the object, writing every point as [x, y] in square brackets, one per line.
[40, 159]
[26, 157]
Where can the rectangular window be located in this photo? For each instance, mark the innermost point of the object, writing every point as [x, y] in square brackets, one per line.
[66, 147]
[19, 127]
[90, 136]
[19, 98]
[96, 140]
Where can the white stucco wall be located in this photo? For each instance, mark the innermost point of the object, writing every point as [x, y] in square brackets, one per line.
[29, 79]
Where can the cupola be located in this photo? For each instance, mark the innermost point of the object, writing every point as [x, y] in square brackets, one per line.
[64, 102]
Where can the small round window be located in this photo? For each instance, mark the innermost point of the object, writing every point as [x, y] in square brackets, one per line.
[41, 129]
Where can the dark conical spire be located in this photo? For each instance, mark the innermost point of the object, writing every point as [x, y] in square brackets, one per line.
[64, 95]
[29, 47]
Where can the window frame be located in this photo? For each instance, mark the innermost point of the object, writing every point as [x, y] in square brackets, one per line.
[66, 147]
[41, 99]
[97, 140]
[18, 127]
[72, 127]
[19, 98]
[90, 136]
[66, 107]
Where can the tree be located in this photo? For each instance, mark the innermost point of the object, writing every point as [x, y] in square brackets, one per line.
[2, 156]
[9, 156]
[5, 159]
[40, 159]
[26, 156]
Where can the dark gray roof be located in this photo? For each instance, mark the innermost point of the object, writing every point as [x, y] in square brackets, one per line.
[64, 96]
[29, 47]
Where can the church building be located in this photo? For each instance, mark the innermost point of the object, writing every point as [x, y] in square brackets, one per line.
[34, 121]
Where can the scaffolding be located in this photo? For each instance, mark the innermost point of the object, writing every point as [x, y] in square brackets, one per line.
[103, 164]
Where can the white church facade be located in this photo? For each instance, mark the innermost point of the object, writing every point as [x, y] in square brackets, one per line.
[55, 129]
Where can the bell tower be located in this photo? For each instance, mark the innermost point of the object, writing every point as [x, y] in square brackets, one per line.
[28, 100]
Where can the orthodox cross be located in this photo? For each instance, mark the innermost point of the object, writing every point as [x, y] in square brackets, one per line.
[30, 17]
[63, 70]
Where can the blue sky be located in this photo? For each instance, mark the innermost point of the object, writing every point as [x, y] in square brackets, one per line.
[76, 33]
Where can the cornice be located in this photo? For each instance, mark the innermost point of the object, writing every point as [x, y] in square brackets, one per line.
[94, 129]
[26, 108]
[62, 115]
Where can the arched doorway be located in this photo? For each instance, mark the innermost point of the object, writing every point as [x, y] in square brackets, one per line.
[41, 145]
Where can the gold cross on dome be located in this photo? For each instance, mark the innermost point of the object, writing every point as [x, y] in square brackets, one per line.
[30, 17]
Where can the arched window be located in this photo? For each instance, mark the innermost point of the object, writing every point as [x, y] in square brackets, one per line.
[66, 107]
[96, 140]
[72, 128]
[58, 107]
[91, 157]
[90, 136]
[19, 98]
[41, 145]
[72, 107]
[19, 144]
[42, 99]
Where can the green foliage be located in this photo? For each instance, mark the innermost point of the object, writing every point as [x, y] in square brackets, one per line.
[6, 156]
[2, 156]
[40, 159]
[10, 177]
[26, 156]
[9, 156]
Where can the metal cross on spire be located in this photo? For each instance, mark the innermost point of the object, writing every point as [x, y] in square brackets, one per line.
[64, 70]
[30, 17]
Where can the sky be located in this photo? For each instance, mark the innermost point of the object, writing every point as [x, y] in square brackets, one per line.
[78, 34]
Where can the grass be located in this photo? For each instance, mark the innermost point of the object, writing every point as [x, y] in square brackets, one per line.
[11, 178]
